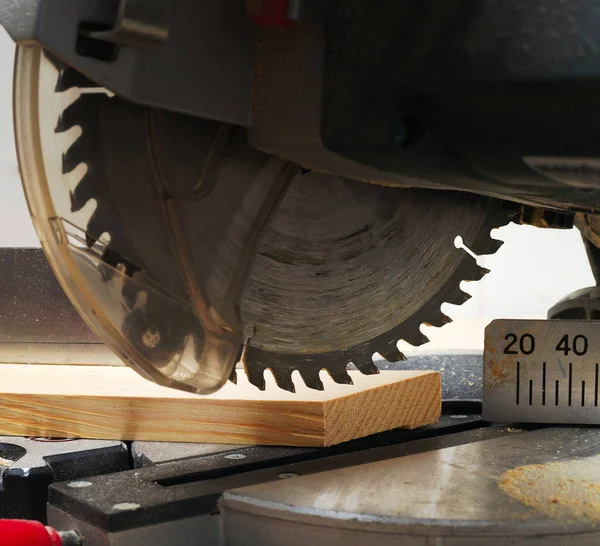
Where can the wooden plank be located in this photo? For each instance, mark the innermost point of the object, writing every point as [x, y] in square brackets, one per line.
[115, 403]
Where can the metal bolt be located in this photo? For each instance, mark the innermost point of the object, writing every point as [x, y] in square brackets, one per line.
[249, 330]
[123, 506]
[286, 475]
[235, 456]
[78, 484]
[151, 338]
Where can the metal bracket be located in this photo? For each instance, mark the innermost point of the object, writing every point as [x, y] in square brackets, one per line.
[29, 465]
[189, 56]
[138, 22]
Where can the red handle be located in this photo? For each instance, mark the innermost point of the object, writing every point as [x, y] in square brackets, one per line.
[22, 532]
[268, 13]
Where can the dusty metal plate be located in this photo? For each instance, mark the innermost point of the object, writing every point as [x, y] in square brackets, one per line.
[527, 487]
[543, 371]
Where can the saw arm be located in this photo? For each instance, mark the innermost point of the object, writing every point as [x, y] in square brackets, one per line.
[247, 201]
[186, 249]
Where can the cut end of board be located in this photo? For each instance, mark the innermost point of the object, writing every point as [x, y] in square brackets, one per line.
[409, 402]
[114, 403]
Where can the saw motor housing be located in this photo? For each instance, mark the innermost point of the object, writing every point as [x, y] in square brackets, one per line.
[489, 97]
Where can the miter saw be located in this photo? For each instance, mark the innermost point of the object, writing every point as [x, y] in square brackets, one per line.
[296, 184]
[284, 182]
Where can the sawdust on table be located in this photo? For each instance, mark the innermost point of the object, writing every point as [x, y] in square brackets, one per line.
[561, 490]
[514, 430]
[5, 462]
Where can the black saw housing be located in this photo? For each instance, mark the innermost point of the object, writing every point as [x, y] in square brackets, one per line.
[497, 97]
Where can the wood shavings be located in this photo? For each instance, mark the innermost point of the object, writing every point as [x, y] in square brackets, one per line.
[5, 462]
[566, 490]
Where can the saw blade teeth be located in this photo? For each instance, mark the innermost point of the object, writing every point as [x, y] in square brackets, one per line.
[68, 118]
[283, 378]
[96, 226]
[484, 246]
[438, 320]
[340, 375]
[76, 114]
[90, 240]
[70, 78]
[256, 376]
[311, 378]
[478, 274]
[110, 257]
[367, 367]
[391, 354]
[85, 190]
[416, 339]
[72, 157]
[459, 297]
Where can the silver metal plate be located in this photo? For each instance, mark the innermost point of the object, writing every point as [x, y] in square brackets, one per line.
[472, 491]
[542, 371]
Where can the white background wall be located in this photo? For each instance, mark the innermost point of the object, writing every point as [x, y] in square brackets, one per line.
[530, 272]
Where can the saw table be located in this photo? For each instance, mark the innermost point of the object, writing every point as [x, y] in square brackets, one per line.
[450, 483]
[460, 481]
[298, 186]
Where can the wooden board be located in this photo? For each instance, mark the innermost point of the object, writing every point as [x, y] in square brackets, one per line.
[115, 403]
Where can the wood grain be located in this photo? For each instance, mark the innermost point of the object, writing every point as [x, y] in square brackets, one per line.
[115, 403]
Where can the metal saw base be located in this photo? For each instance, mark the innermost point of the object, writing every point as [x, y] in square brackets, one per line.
[441, 485]
[459, 482]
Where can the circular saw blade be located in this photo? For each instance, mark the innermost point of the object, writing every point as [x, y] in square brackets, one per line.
[345, 269]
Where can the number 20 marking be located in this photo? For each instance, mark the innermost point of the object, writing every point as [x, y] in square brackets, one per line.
[526, 344]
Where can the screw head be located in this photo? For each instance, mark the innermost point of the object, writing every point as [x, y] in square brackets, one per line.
[249, 330]
[151, 338]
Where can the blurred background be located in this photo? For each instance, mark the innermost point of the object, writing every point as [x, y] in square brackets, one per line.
[533, 270]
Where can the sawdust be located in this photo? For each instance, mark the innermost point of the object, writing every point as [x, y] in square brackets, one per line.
[5, 462]
[514, 430]
[566, 490]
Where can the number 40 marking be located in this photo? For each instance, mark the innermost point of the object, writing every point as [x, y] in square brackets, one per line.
[579, 345]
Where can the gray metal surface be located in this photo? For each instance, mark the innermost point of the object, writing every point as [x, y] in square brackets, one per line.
[33, 308]
[29, 465]
[23, 454]
[459, 495]
[202, 530]
[203, 68]
[150, 453]
[173, 490]
[542, 371]
[583, 304]
[137, 23]
[461, 373]
[38, 324]
[58, 352]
